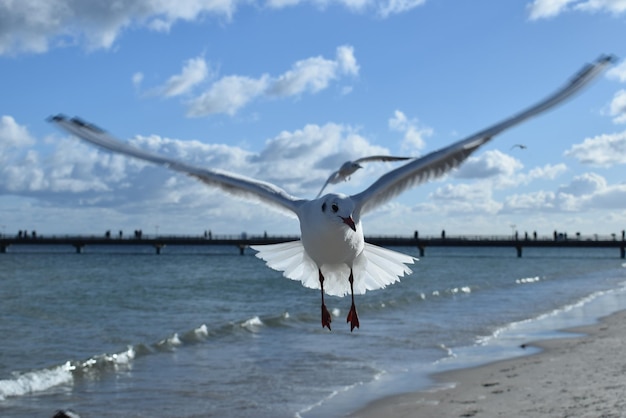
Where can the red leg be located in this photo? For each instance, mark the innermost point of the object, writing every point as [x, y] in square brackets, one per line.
[325, 314]
[353, 318]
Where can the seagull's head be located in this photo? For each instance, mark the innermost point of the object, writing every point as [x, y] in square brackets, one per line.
[338, 208]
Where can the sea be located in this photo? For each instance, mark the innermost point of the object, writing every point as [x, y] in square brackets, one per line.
[207, 332]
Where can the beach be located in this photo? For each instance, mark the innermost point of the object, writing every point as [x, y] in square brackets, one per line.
[576, 376]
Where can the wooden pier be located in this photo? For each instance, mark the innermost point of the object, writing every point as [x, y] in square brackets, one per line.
[79, 242]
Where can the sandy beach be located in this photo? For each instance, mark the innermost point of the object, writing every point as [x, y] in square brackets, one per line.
[581, 376]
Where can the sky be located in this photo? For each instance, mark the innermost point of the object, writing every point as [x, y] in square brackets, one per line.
[287, 90]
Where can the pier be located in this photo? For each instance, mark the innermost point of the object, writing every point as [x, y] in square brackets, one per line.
[243, 241]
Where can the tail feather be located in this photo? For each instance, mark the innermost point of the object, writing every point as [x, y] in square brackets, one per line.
[292, 260]
[374, 268]
[377, 267]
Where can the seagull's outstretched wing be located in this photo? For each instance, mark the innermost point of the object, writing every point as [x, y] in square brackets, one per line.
[333, 178]
[231, 183]
[342, 174]
[440, 162]
[384, 158]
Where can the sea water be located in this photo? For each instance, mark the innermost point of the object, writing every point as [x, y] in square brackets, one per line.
[200, 332]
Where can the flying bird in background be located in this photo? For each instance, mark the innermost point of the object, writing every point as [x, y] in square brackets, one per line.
[520, 146]
[350, 167]
[332, 255]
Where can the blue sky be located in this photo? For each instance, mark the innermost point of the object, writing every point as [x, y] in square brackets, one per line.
[287, 90]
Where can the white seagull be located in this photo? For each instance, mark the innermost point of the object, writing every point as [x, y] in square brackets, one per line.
[350, 167]
[332, 248]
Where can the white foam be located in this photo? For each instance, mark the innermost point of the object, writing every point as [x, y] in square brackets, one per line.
[174, 340]
[202, 331]
[116, 361]
[36, 381]
[252, 324]
[532, 323]
[448, 350]
[169, 343]
[527, 280]
[333, 394]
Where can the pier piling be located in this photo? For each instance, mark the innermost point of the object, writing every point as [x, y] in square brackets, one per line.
[158, 248]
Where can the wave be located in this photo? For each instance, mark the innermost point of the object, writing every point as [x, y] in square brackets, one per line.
[507, 340]
[44, 379]
[337, 392]
[35, 381]
[527, 280]
[583, 301]
[41, 380]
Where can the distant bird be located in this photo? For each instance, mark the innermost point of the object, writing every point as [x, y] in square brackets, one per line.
[350, 167]
[332, 247]
[520, 146]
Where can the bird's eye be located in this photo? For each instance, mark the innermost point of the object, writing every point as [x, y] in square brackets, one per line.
[334, 207]
[324, 207]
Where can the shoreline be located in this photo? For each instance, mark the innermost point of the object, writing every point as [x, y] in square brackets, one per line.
[578, 375]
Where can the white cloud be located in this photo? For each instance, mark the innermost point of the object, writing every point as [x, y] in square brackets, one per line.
[617, 108]
[13, 135]
[492, 163]
[314, 74]
[74, 173]
[602, 150]
[618, 72]
[585, 184]
[464, 199]
[610, 6]
[194, 72]
[383, 8]
[547, 172]
[231, 93]
[227, 95]
[346, 60]
[612, 197]
[117, 188]
[539, 200]
[414, 133]
[36, 25]
[588, 191]
[137, 79]
[301, 160]
[542, 9]
[279, 4]
[392, 7]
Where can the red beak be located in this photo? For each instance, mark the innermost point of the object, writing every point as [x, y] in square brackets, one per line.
[350, 222]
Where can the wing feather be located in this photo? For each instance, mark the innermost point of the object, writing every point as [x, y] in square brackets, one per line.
[292, 260]
[231, 183]
[440, 162]
[384, 158]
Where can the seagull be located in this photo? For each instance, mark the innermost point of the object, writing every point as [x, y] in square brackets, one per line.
[520, 146]
[332, 254]
[350, 167]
